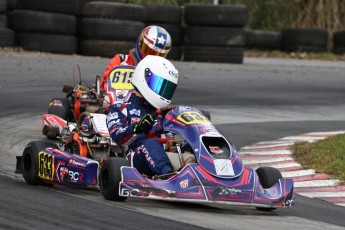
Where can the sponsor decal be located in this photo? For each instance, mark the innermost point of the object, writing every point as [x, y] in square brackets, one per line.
[135, 112]
[77, 163]
[121, 130]
[52, 121]
[223, 167]
[216, 150]
[46, 166]
[112, 116]
[55, 103]
[173, 73]
[184, 183]
[69, 175]
[135, 119]
[143, 149]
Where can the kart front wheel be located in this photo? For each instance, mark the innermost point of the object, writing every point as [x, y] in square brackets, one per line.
[110, 178]
[29, 161]
[268, 177]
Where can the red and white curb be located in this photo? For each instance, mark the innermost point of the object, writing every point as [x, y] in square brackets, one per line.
[307, 182]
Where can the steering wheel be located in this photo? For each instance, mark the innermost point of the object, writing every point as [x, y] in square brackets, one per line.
[86, 133]
[163, 111]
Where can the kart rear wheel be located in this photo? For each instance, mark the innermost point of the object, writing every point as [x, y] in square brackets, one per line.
[110, 178]
[268, 177]
[29, 161]
[60, 107]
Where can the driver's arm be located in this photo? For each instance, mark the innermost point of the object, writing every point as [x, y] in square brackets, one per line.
[120, 129]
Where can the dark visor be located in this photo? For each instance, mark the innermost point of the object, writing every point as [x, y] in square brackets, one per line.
[159, 85]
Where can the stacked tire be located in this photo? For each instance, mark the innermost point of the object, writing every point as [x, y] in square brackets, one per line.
[107, 28]
[339, 42]
[6, 34]
[168, 17]
[214, 33]
[263, 40]
[47, 26]
[304, 40]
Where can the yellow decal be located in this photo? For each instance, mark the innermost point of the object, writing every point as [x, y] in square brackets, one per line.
[45, 166]
[120, 78]
[191, 118]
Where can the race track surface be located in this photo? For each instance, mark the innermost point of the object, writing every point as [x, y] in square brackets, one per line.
[263, 99]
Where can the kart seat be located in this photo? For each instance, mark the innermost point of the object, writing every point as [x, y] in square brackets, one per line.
[187, 158]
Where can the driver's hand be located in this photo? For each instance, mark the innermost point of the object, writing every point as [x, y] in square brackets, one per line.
[144, 125]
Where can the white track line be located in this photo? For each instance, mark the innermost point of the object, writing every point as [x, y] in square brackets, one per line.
[341, 204]
[266, 146]
[316, 183]
[275, 152]
[278, 159]
[302, 138]
[323, 194]
[325, 133]
[298, 173]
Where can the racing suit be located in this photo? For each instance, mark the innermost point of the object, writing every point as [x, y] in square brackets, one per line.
[144, 152]
[119, 59]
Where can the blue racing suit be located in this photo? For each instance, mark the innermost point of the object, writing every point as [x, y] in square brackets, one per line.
[144, 152]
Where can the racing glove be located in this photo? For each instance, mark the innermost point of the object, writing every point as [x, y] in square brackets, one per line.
[144, 125]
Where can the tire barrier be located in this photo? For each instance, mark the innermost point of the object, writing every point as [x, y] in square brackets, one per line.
[339, 42]
[306, 40]
[7, 36]
[263, 40]
[168, 17]
[108, 28]
[44, 31]
[214, 33]
[200, 32]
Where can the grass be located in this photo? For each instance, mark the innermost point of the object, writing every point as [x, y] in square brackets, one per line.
[325, 156]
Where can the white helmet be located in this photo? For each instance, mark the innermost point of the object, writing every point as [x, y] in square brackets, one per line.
[156, 79]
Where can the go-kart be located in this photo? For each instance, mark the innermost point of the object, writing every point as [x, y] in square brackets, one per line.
[87, 98]
[215, 174]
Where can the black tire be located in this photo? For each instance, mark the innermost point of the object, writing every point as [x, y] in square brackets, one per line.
[60, 6]
[62, 110]
[105, 48]
[268, 177]
[115, 10]
[163, 13]
[36, 21]
[223, 54]
[3, 5]
[29, 162]
[53, 43]
[7, 37]
[110, 178]
[51, 132]
[214, 36]
[12, 4]
[263, 39]
[110, 29]
[216, 15]
[339, 42]
[175, 53]
[3, 21]
[175, 31]
[301, 39]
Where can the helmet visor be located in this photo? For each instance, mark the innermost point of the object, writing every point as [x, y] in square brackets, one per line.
[147, 50]
[159, 85]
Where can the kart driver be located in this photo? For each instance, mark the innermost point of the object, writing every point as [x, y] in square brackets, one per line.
[153, 40]
[130, 123]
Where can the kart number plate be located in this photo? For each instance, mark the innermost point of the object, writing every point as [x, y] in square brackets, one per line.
[120, 78]
[191, 118]
[45, 166]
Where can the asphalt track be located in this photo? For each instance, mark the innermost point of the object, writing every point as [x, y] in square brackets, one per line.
[263, 99]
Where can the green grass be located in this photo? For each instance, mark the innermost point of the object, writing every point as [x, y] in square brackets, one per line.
[325, 156]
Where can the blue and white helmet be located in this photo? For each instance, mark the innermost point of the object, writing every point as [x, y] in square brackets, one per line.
[156, 79]
[153, 40]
